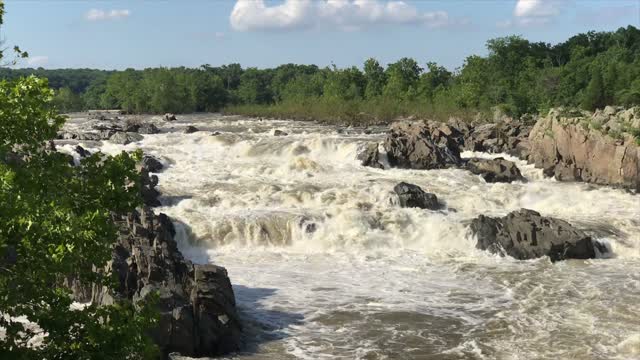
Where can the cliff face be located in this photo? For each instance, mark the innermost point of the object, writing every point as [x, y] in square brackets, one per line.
[600, 148]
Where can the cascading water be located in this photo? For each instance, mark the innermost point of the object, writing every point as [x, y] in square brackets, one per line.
[326, 265]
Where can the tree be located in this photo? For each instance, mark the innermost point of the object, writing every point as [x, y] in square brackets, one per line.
[594, 95]
[56, 220]
[374, 75]
[402, 78]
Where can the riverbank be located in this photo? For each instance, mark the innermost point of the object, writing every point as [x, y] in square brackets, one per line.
[380, 111]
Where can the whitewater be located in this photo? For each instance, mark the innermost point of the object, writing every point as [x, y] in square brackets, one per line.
[326, 265]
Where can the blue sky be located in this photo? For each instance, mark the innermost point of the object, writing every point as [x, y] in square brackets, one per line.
[139, 34]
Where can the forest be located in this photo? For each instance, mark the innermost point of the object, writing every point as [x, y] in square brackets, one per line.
[516, 76]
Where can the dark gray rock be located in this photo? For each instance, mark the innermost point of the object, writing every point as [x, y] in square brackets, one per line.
[190, 129]
[151, 164]
[169, 117]
[495, 170]
[196, 302]
[499, 137]
[279, 133]
[370, 156]
[82, 152]
[413, 196]
[125, 138]
[525, 234]
[148, 128]
[421, 146]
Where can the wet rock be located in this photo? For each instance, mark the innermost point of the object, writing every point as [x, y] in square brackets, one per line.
[525, 234]
[190, 129]
[82, 152]
[196, 302]
[151, 164]
[413, 196]
[370, 156]
[169, 117]
[279, 133]
[567, 147]
[216, 133]
[495, 170]
[148, 128]
[416, 145]
[125, 138]
[501, 137]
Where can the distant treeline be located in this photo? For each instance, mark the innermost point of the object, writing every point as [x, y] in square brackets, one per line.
[517, 76]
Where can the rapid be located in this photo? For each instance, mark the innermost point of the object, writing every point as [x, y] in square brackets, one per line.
[325, 264]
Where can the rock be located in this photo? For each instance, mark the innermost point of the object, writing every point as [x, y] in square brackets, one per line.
[495, 170]
[370, 156]
[169, 117]
[82, 152]
[125, 138]
[500, 137]
[216, 133]
[570, 151]
[420, 146]
[279, 133]
[151, 164]
[196, 302]
[525, 234]
[148, 128]
[190, 129]
[413, 196]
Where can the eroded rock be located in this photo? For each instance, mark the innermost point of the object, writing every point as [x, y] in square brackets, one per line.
[525, 234]
[416, 145]
[413, 196]
[495, 170]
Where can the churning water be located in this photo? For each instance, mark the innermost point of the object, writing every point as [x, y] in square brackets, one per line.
[325, 265]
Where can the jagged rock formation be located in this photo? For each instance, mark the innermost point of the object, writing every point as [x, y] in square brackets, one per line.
[495, 170]
[600, 148]
[196, 302]
[525, 234]
[418, 145]
[413, 196]
[369, 156]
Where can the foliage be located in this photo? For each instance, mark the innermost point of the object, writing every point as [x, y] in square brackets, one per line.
[56, 225]
[517, 76]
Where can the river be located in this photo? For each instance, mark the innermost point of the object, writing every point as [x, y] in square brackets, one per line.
[325, 265]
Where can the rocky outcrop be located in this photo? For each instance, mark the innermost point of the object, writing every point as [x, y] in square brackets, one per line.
[495, 170]
[369, 156]
[503, 136]
[525, 234]
[599, 148]
[151, 164]
[196, 302]
[419, 145]
[148, 128]
[190, 129]
[169, 117]
[277, 132]
[413, 196]
[124, 138]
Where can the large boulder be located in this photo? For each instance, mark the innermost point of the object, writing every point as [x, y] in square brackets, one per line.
[507, 136]
[495, 170]
[148, 128]
[151, 164]
[413, 196]
[418, 145]
[124, 138]
[370, 155]
[196, 302]
[190, 129]
[574, 147]
[525, 234]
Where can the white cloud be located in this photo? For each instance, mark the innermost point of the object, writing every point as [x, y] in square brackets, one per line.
[39, 60]
[536, 8]
[533, 13]
[99, 14]
[250, 15]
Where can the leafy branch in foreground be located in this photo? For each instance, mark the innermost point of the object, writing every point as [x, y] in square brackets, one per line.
[56, 226]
